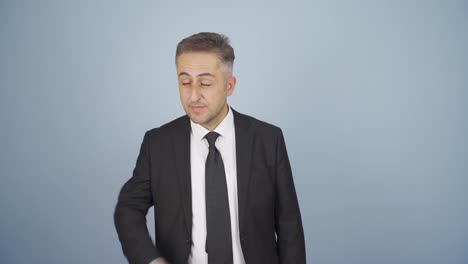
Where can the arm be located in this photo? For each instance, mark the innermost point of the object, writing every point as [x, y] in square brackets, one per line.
[288, 223]
[134, 200]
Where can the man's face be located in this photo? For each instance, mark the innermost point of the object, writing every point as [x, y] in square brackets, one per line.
[204, 85]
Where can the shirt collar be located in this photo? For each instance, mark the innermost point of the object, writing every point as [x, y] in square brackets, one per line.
[224, 129]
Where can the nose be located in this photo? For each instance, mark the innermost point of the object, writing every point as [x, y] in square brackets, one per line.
[195, 95]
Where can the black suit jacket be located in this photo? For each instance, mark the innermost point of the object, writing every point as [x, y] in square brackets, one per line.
[269, 217]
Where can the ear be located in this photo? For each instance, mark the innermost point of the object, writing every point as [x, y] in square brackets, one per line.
[231, 85]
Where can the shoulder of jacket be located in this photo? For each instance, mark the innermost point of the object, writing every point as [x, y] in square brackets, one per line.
[169, 128]
[260, 125]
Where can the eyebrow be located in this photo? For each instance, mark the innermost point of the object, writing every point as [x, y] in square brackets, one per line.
[199, 75]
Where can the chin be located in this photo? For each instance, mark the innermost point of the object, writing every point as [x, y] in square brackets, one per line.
[196, 119]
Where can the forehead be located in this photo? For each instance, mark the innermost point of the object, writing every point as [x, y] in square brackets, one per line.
[197, 62]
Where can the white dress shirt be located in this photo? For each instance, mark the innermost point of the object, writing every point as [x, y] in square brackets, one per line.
[226, 144]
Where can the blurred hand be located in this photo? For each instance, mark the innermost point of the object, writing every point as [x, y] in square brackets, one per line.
[159, 261]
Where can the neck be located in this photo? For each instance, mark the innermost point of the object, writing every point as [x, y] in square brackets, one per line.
[218, 120]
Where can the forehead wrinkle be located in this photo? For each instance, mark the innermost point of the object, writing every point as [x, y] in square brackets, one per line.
[196, 70]
[201, 75]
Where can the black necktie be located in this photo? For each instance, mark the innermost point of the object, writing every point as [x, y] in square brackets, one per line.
[218, 221]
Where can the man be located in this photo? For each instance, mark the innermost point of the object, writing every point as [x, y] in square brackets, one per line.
[220, 181]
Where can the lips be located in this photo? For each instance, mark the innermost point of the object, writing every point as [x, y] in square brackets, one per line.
[197, 108]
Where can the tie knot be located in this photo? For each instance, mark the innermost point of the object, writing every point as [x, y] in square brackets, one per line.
[211, 137]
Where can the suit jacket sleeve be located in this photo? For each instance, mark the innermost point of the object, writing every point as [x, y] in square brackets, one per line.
[288, 223]
[134, 201]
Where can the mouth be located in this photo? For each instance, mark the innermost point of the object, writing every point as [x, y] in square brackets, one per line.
[197, 108]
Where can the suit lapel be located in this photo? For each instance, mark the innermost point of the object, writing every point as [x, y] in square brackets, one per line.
[244, 150]
[182, 157]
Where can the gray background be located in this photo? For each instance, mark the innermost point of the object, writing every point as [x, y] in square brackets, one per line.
[371, 96]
